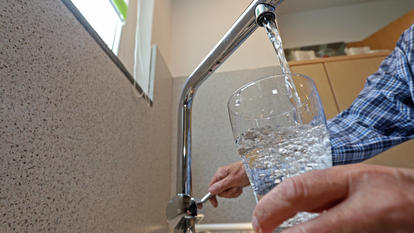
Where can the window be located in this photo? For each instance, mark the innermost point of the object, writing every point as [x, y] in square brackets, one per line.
[144, 54]
[106, 17]
[128, 41]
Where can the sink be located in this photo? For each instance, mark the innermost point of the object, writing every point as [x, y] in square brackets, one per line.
[225, 228]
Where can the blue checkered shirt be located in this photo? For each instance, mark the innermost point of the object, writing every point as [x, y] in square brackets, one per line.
[383, 114]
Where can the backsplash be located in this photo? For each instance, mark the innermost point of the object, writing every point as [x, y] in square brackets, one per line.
[79, 150]
[213, 144]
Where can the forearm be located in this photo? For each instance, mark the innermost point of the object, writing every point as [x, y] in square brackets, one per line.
[354, 142]
[382, 115]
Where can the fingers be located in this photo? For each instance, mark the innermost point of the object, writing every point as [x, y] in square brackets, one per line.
[221, 186]
[220, 174]
[351, 215]
[338, 219]
[232, 193]
[213, 201]
[228, 182]
[217, 185]
[359, 198]
[228, 177]
[311, 191]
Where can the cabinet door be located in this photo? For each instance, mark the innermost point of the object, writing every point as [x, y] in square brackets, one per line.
[348, 78]
[318, 74]
[399, 156]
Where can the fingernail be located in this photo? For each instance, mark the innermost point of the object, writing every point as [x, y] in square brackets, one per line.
[255, 225]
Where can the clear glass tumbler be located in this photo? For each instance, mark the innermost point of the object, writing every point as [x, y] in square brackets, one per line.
[279, 127]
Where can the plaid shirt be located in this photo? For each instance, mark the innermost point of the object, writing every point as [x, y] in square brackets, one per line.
[383, 114]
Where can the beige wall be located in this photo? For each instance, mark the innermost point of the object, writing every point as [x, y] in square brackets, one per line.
[80, 151]
[347, 23]
[198, 25]
[161, 29]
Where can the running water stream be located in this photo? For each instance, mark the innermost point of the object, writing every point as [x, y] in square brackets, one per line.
[274, 37]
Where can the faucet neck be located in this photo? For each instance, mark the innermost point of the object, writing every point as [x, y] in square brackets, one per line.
[182, 211]
[237, 34]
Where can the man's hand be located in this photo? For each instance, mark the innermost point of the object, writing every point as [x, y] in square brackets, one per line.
[354, 198]
[228, 182]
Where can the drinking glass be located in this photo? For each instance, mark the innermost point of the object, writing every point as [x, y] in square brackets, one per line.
[279, 127]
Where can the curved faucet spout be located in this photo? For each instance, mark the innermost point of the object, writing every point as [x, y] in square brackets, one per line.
[245, 25]
[236, 35]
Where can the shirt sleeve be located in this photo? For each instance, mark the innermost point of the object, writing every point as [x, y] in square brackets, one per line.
[383, 114]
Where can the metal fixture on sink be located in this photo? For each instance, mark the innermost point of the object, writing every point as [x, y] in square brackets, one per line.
[182, 209]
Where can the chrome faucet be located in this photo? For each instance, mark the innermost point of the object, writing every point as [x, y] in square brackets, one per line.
[182, 209]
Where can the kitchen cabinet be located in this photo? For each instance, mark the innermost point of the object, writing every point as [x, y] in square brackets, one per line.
[319, 76]
[348, 77]
[339, 81]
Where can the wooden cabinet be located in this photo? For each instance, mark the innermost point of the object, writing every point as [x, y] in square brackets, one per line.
[339, 81]
[319, 76]
[348, 77]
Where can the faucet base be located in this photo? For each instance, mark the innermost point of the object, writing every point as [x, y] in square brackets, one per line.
[182, 213]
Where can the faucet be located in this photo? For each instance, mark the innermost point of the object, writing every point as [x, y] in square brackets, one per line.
[182, 209]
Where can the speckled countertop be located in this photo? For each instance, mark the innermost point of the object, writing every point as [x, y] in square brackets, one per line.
[79, 151]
